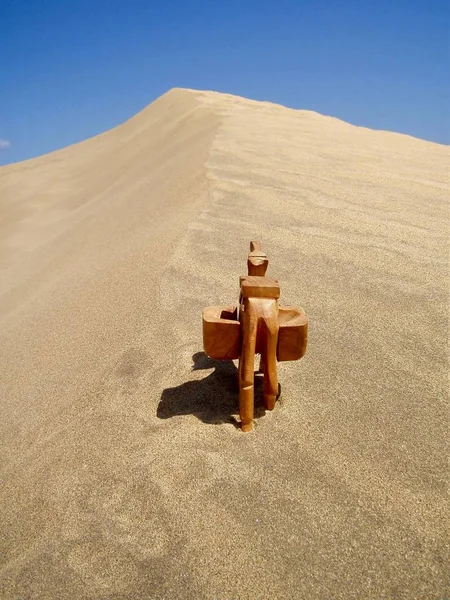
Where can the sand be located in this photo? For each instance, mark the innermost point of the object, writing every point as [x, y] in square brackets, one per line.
[123, 475]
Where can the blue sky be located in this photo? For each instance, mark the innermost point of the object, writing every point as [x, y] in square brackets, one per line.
[70, 69]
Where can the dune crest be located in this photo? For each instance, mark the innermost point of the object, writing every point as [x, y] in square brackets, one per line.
[122, 474]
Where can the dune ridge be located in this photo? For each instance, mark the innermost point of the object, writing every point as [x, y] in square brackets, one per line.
[122, 475]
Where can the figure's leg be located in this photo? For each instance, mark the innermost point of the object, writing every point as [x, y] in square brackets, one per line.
[270, 365]
[246, 373]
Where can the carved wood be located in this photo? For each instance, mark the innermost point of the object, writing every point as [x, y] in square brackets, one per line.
[258, 325]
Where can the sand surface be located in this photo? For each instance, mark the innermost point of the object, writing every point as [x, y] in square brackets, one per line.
[122, 474]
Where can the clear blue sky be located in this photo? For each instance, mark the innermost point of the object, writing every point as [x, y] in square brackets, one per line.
[70, 69]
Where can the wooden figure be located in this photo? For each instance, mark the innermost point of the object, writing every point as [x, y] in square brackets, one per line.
[257, 326]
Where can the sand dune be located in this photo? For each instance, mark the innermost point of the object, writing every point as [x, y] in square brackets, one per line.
[122, 475]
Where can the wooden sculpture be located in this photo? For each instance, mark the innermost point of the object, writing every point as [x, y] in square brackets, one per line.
[257, 326]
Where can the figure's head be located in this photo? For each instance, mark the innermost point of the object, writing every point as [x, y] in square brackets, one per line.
[257, 265]
[257, 261]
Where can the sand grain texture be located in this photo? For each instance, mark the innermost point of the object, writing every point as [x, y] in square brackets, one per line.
[122, 476]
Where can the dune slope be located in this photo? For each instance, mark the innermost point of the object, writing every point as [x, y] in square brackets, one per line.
[122, 473]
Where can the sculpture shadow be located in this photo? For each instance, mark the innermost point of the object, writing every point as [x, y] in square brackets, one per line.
[214, 399]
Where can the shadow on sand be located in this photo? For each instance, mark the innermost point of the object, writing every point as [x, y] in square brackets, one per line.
[214, 399]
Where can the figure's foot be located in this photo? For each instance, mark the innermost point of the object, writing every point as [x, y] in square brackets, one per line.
[269, 401]
[248, 426]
